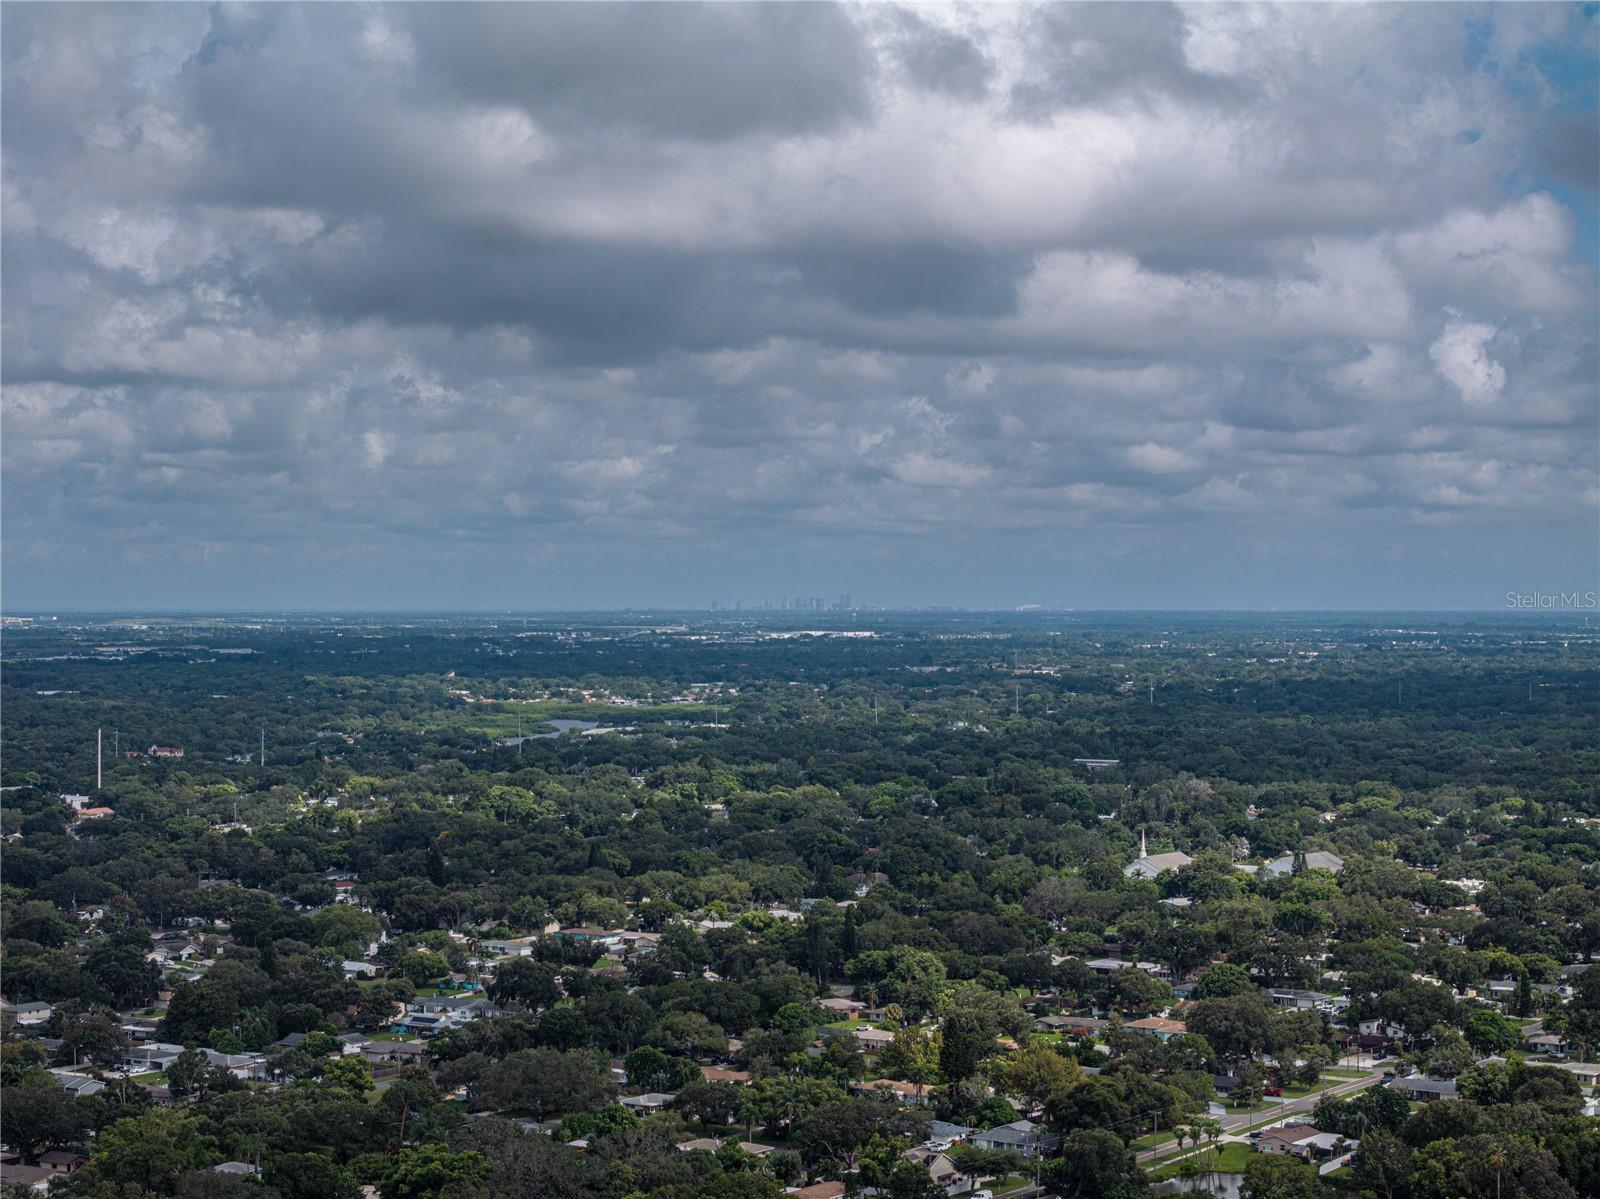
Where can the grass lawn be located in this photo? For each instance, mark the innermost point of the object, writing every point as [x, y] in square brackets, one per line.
[1150, 1139]
[157, 1078]
[851, 1025]
[1236, 1109]
[1345, 1074]
[1230, 1159]
[392, 1036]
[1009, 1183]
[1322, 1085]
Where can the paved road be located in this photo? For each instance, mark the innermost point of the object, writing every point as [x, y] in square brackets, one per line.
[1237, 1124]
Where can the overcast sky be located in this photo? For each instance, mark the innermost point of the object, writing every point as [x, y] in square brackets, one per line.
[542, 306]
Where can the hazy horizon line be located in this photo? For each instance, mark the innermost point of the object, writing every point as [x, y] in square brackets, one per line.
[931, 609]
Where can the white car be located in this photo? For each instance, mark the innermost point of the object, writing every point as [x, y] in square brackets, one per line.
[937, 1146]
[981, 1195]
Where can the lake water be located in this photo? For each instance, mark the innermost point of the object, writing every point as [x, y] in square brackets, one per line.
[1224, 1186]
[557, 728]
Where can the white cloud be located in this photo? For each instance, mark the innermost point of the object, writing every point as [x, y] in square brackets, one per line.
[1462, 358]
[1204, 281]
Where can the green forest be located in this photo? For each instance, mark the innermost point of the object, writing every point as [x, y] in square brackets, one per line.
[661, 905]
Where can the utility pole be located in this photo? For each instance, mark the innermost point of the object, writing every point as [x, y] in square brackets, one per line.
[1152, 695]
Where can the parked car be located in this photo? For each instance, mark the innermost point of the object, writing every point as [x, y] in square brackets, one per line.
[1274, 1091]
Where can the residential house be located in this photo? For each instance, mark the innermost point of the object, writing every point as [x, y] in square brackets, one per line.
[590, 934]
[1290, 997]
[644, 1105]
[1381, 1028]
[1020, 1136]
[518, 947]
[873, 1039]
[638, 942]
[78, 1085]
[724, 1075]
[1503, 991]
[33, 1012]
[1425, 1090]
[940, 1168]
[906, 1092]
[865, 881]
[387, 1053]
[1317, 859]
[841, 1008]
[61, 1161]
[462, 1007]
[1110, 965]
[1301, 1140]
[1548, 1043]
[830, 1189]
[419, 1024]
[149, 1057]
[15, 1173]
[1158, 1027]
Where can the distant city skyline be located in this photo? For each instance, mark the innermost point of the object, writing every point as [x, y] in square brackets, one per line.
[489, 307]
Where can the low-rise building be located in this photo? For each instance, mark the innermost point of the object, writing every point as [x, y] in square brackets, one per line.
[1158, 1027]
[33, 1012]
[1020, 1136]
[1317, 859]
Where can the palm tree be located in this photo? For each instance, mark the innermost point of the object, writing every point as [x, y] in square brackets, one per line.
[1212, 1130]
[748, 1109]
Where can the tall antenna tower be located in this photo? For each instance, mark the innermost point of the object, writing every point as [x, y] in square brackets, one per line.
[263, 745]
[99, 745]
